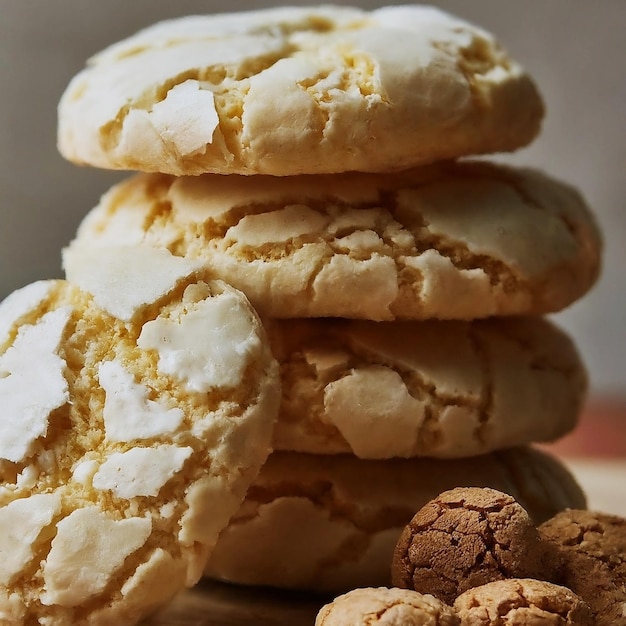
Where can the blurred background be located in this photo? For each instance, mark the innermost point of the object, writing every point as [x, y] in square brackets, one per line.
[573, 48]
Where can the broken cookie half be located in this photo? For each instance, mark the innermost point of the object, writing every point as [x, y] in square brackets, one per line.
[137, 408]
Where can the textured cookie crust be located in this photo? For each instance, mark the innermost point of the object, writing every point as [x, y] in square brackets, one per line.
[133, 420]
[452, 241]
[298, 91]
[435, 388]
[592, 547]
[381, 606]
[522, 602]
[331, 523]
[464, 538]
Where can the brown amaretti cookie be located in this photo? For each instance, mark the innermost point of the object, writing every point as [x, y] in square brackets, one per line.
[522, 602]
[464, 538]
[382, 606]
[592, 548]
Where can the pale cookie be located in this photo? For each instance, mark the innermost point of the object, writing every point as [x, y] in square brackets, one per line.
[522, 602]
[592, 549]
[298, 91]
[331, 523]
[452, 241]
[134, 418]
[381, 606]
[467, 537]
[433, 388]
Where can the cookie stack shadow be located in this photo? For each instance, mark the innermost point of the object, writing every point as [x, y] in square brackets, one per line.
[403, 287]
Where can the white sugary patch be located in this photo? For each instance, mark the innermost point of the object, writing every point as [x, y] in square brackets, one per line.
[206, 347]
[187, 118]
[20, 302]
[124, 279]
[128, 412]
[32, 384]
[140, 471]
[21, 522]
[374, 411]
[83, 472]
[86, 552]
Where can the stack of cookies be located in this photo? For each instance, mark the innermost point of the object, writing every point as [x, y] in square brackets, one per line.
[309, 158]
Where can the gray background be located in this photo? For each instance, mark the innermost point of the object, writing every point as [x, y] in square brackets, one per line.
[573, 48]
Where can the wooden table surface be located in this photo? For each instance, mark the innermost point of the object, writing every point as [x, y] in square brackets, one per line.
[596, 453]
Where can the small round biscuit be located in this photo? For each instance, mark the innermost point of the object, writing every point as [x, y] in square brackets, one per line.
[435, 388]
[592, 549]
[331, 523]
[298, 90]
[464, 538]
[522, 602]
[135, 414]
[381, 606]
[452, 241]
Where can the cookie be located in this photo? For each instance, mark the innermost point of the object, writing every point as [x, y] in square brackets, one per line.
[522, 602]
[331, 523]
[135, 414]
[433, 388]
[453, 241]
[592, 548]
[464, 538]
[304, 90]
[381, 606]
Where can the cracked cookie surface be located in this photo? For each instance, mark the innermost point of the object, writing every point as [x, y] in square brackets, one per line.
[330, 523]
[382, 606]
[293, 90]
[434, 388]
[592, 549]
[136, 411]
[464, 538]
[452, 241]
[522, 602]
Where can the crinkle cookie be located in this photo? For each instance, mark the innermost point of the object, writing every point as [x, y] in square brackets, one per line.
[134, 417]
[522, 602]
[298, 90]
[331, 523]
[381, 606]
[592, 549]
[433, 388]
[453, 241]
[467, 537]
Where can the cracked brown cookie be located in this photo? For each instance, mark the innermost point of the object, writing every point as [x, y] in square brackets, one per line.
[381, 606]
[330, 523]
[592, 549]
[298, 91]
[522, 602]
[453, 241]
[135, 414]
[435, 388]
[464, 538]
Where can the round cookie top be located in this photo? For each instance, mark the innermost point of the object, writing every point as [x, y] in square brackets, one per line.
[434, 388]
[331, 523]
[464, 538]
[134, 418]
[592, 549]
[522, 602]
[382, 606]
[298, 90]
[452, 241]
